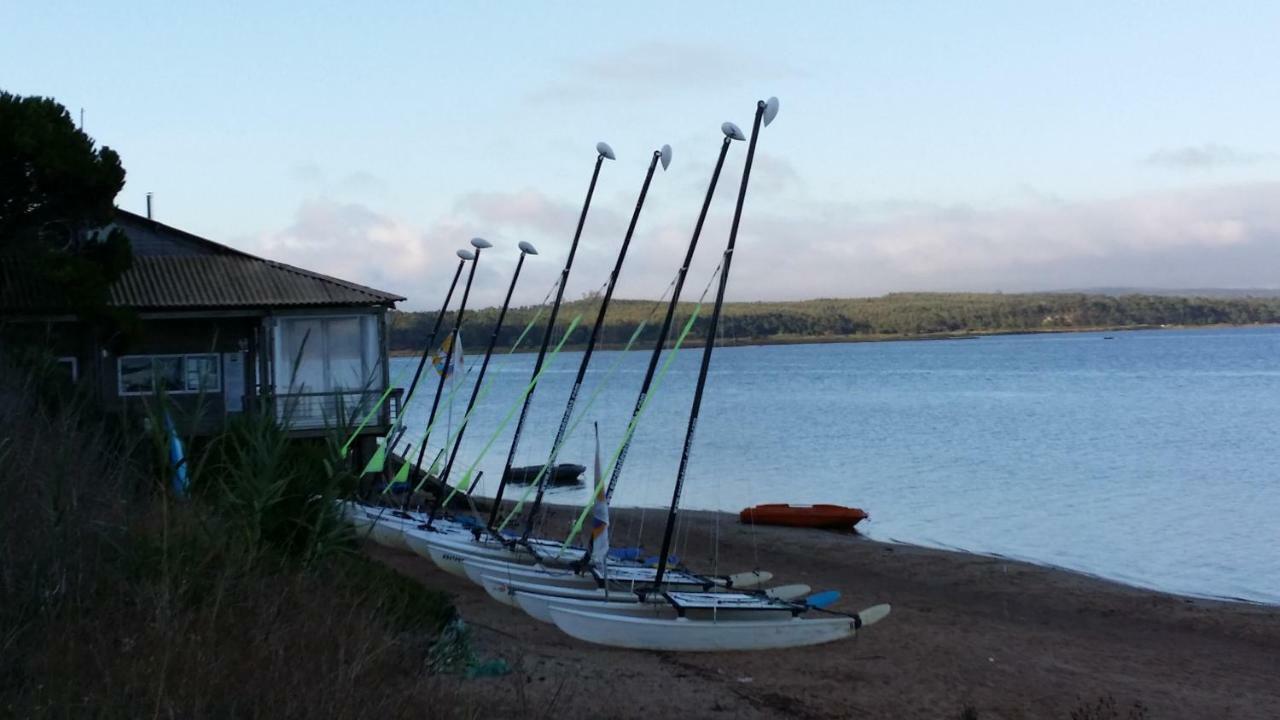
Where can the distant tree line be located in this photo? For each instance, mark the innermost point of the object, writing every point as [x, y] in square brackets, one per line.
[893, 315]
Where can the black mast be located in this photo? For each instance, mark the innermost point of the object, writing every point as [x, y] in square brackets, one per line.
[731, 133]
[422, 361]
[665, 156]
[763, 109]
[603, 151]
[525, 249]
[479, 244]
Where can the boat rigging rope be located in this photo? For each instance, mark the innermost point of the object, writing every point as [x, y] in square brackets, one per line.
[398, 426]
[342, 452]
[595, 394]
[681, 546]
[465, 482]
[542, 306]
[635, 420]
[715, 544]
[591, 306]
[388, 451]
[612, 370]
[453, 391]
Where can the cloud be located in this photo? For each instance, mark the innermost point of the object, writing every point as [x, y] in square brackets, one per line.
[1203, 157]
[774, 174]
[1157, 239]
[357, 182]
[351, 241]
[523, 210]
[658, 68]
[793, 248]
[361, 182]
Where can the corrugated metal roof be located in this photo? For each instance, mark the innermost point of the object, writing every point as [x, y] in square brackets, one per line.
[198, 274]
[22, 291]
[233, 281]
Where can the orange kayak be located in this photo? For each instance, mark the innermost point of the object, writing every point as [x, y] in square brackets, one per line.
[814, 516]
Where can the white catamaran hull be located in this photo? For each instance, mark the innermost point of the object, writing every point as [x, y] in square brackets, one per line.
[552, 581]
[476, 570]
[537, 600]
[354, 514]
[501, 588]
[627, 577]
[691, 635]
[378, 524]
[389, 532]
[393, 531]
[386, 526]
[450, 550]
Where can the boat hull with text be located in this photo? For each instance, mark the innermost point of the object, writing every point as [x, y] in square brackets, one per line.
[695, 635]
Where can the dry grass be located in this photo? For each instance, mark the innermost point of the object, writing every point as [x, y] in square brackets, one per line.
[116, 600]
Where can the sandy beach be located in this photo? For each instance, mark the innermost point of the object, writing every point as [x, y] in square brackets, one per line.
[1007, 638]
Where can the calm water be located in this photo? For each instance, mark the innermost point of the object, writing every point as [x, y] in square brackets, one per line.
[1149, 458]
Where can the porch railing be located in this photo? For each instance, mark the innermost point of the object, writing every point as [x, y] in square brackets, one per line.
[342, 408]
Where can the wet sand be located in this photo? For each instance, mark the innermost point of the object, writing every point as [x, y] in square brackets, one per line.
[1007, 638]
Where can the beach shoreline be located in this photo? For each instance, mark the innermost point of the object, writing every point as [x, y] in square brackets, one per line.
[773, 340]
[1008, 638]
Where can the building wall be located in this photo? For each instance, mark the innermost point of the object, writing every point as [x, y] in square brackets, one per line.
[244, 344]
[189, 342]
[58, 339]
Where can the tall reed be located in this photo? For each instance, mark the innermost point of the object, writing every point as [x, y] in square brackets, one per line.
[118, 599]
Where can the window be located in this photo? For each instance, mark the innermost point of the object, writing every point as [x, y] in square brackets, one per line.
[70, 366]
[326, 366]
[176, 374]
[328, 354]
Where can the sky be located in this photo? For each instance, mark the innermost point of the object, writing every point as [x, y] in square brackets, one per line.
[982, 146]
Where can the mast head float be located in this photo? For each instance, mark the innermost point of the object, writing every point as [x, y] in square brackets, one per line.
[527, 248]
[480, 243]
[770, 110]
[466, 254]
[605, 151]
[731, 131]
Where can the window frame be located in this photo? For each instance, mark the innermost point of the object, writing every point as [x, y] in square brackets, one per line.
[370, 343]
[217, 366]
[74, 362]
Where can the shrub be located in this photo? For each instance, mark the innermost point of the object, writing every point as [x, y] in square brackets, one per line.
[118, 599]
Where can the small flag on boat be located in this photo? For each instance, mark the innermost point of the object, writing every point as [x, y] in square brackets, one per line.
[599, 515]
[402, 475]
[447, 349]
[377, 462]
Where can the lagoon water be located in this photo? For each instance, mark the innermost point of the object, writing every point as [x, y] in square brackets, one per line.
[1149, 458]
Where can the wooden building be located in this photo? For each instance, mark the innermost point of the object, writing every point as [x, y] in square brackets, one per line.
[221, 332]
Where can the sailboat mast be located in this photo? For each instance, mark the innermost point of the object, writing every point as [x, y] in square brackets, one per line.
[394, 436]
[603, 152]
[729, 130]
[525, 249]
[770, 109]
[479, 244]
[664, 155]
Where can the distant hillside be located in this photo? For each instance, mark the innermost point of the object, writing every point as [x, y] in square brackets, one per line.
[898, 315]
[1180, 292]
